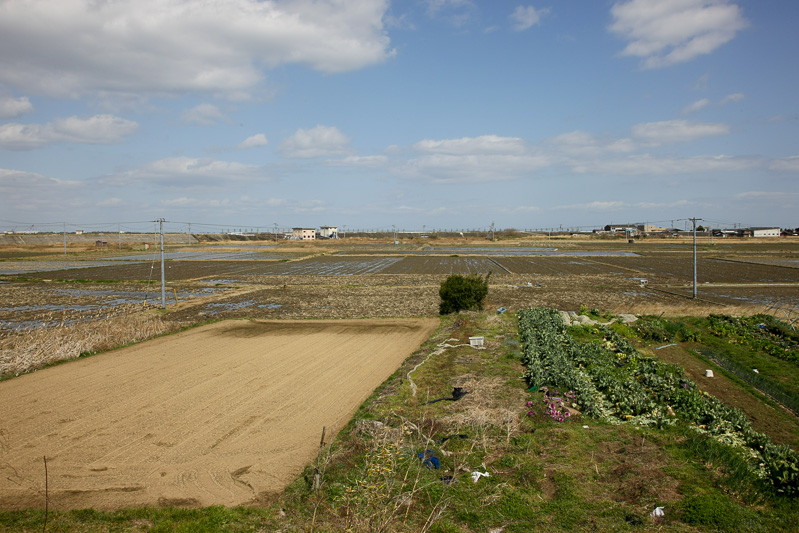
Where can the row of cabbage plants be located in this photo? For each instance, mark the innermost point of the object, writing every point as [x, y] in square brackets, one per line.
[612, 381]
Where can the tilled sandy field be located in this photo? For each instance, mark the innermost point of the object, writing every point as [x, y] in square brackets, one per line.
[223, 414]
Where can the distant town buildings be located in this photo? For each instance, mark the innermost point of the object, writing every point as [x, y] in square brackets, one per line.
[310, 234]
[634, 230]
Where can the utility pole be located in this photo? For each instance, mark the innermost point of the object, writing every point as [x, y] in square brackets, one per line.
[694, 222]
[492, 231]
[119, 232]
[163, 277]
[65, 238]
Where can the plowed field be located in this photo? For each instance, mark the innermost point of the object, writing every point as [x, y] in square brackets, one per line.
[223, 414]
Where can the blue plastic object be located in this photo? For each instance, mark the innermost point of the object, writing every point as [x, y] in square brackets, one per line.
[429, 460]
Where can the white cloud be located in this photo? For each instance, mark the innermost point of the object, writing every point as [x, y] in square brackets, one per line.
[370, 161]
[185, 201]
[485, 144]
[99, 129]
[472, 159]
[664, 33]
[456, 12]
[676, 131]
[14, 107]
[580, 143]
[784, 118]
[695, 106]
[526, 17]
[41, 195]
[704, 102]
[321, 141]
[254, 141]
[648, 165]
[203, 115]
[186, 171]
[702, 82]
[737, 97]
[770, 200]
[21, 178]
[790, 164]
[441, 168]
[71, 47]
[435, 6]
[111, 202]
[617, 205]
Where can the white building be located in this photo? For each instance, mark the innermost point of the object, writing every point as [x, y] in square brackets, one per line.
[328, 232]
[303, 234]
[765, 232]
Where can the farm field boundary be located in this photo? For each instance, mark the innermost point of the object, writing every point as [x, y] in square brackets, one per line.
[227, 413]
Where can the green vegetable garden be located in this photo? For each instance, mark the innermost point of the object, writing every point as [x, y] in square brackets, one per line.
[610, 380]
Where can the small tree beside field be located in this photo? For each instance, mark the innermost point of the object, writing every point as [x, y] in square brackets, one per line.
[460, 293]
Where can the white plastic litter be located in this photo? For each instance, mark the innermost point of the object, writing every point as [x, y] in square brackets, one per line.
[585, 427]
[658, 512]
[477, 475]
[708, 373]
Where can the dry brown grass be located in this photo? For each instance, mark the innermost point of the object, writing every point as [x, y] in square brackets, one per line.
[25, 351]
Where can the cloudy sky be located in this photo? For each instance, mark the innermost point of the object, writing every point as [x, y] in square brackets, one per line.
[436, 113]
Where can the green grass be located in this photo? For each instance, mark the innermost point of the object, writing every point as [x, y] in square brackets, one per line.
[776, 377]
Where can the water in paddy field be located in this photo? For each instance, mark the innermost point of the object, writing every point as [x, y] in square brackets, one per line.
[489, 249]
[113, 297]
[83, 301]
[12, 268]
[512, 251]
[245, 246]
[192, 256]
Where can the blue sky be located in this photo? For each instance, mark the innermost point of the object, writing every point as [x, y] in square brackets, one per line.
[373, 114]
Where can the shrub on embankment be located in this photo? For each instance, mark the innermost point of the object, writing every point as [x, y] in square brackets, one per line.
[463, 293]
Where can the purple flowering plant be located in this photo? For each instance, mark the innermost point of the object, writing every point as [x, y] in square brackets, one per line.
[554, 404]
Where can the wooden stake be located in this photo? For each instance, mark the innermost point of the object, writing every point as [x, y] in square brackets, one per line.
[46, 495]
[317, 476]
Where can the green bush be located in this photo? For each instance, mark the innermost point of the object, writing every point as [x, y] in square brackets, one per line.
[460, 293]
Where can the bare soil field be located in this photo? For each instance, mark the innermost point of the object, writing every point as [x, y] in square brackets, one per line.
[222, 414]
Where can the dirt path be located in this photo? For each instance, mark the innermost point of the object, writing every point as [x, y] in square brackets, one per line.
[222, 414]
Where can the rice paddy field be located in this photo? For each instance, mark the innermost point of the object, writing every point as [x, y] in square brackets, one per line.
[353, 278]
